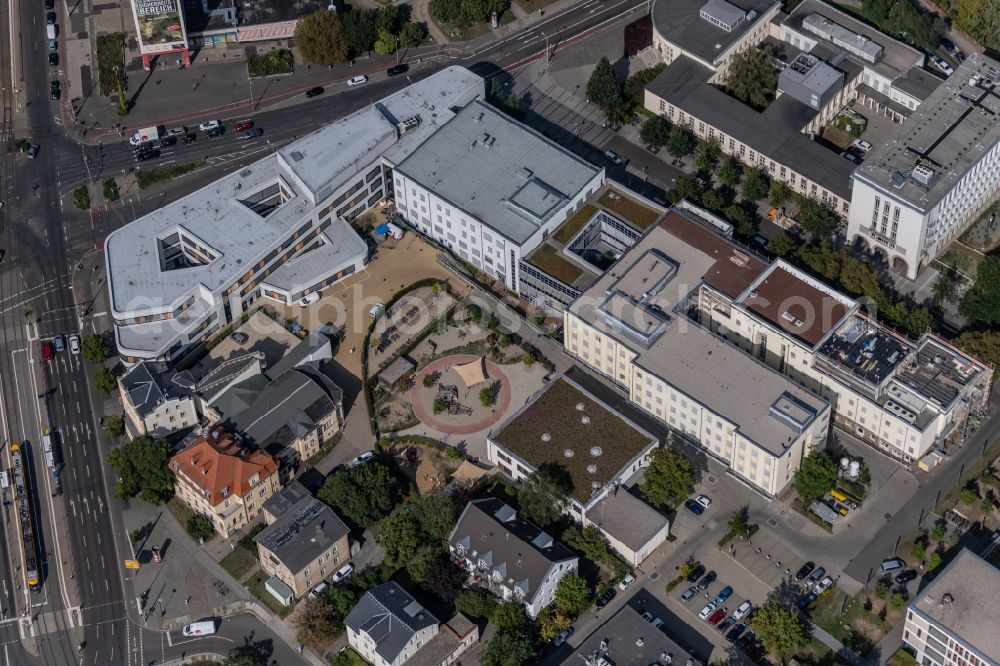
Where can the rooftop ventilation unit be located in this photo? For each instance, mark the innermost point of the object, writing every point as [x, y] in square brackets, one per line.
[898, 179]
[923, 175]
[409, 124]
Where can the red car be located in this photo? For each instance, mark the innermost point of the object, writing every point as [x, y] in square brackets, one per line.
[716, 617]
[47, 351]
[242, 125]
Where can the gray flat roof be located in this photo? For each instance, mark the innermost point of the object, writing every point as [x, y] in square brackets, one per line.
[954, 128]
[775, 132]
[680, 22]
[918, 82]
[690, 358]
[308, 170]
[627, 518]
[622, 632]
[501, 172]
[961, 598]
[339, 249]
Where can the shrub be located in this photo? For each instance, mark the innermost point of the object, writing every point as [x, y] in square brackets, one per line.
[81, 197]
[109, 188]
[439, 405]
[151, 177]
[199, 527]
[968, 496]
[270, 64]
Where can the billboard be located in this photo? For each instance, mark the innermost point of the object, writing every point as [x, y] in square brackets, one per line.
[159, 25]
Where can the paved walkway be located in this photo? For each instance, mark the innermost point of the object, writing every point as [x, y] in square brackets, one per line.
[835, 645]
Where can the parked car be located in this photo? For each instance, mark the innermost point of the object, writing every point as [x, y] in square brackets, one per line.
[942, 65]
[168, 141]
[316, 591]
[314, 92]
[892, 564]
[342, 573]
[215, 133]
[626, 581]
[50, 19]
[363, 458]
[177, 131]
[716, 617]
[816, 575]
[53, 45]
[356, 80]
[850, 157]
[862, 144]
[147, 155]
[949, 46]
[805, 570]
[53, 59]
[190, 138]
[725, 624]
[374, 312]
[613, 156]
[47, 352]
[906, 576]
[240, 338]
[706, 611]
[396, 70]
[694, 507]
[60, 343]
[742, 610]
[703, 500]
[49, 4]
[209, 125]
[242, 125]
[688, 593]
[696, 573]
[563, 635]
[657, 623]
[823, 585]
[32, 150]
[723, 594]
[735, 632]
[706, 581]
[647, 616]
[255, 132]
[746, 639]
[74, 347]
[606, 598]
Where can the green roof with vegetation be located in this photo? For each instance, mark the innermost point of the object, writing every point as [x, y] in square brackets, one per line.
[639, 216]
[554, 412]
[569, 228]
[548, 258]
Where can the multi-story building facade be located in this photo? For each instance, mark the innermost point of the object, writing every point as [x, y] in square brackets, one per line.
[925, 184]
[509, 554]
[950, 621]
[304, 542]
[278, 228]
[153, 406]
[220, 479]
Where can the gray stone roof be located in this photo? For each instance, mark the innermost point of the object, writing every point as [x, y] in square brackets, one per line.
[390, 616]
[627, 518]
[306, 530]
[145, 388]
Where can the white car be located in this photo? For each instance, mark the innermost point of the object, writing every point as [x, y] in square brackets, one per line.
[357, 80]
[177, 131]
[74, 344]
[308, 299]
[209, 125]
[363, 458]
[862, 144]
[373, 313]
[626, 581]
[823, 585]
[704, 501]
[742, 610]
[707, 610]
[315, 592]
[342, 573]
[942, 65]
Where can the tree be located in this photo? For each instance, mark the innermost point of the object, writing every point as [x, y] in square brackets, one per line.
[668, 477]
[509, 617]
[635, 85]
[435, 516]
[528, 358]
[142, 469]
[897, 601]
[981, 303]
[755, 185]
[385, 42]
[412, 35]
[320, 38]
[934, 561]
[741, 219]
[712, 200]
[918, 550]
[685, 187]
[464, 12]
[250, 654]
[199, 527]
[362, 494]
[348, 658]
[618, 111]
[105, 381]
[781, 244]
[317, 623]
[114, 425]
[778, 193]
[573, 594]
[486, 397]
[752, 78]
[342, 598]
[944, 289]
[984, 345]
[508, 648]
[388, 18]
[602, 88]
[968, 496]
[543, 494]
[815, 477]
[359, 30]
[938, 531]
[817, 219]
[439, 405]
[655, 131]
[780, 629]
[730, 172]
[708, 156]
[96, 349]
[477, 605]
[680, 142]
[551, 622]
[443, 579]
[397, 535]
[739, 522]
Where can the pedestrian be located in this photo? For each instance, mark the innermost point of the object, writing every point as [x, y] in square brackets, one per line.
[157, 81]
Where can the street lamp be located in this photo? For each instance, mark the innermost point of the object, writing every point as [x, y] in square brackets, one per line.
[546, 45]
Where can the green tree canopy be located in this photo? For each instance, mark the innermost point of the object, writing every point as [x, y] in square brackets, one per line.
[780, 629]
[385, 42]
[96, 348]
[320, 38]
[904, 19]
[250, 654]
[358, 29]
[114, 425]
[412, 35]
[389, 18]
[781, 244]
[362, 494]
[105, 381]
[200, 527]
[475, 604]
[980, 18]
[708, 156]
[816, 477]
[713, 200]
[464, 12]
[573, 594]
[755, 185]
[655, 131]
[635, 85]
[752, 78]
[142, 469]
[817, 219]
[730, 172]
[984, 345]
[508, 648]
[317, 623]
[543, 494]
[685, 187]
[778, 193]
[509, 617]
[680, 142]
[602, 88]
[668, 477]
[743, 221]
[981, 303]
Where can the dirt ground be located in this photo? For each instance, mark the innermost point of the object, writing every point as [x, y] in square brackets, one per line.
[426, 467]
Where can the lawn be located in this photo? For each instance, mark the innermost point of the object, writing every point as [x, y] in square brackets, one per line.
[902, 658]
[111, 62]
[256, 587]
[548, 259]
[846, 619]
[639, 216]
[238, 563]
[182, 512]
[151, 177]
[571, 226]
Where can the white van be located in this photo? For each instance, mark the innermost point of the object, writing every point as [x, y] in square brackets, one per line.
[394, 231]
[309, 299]
[373, 313]
[357, 80]
[51, 31]
[202, 628]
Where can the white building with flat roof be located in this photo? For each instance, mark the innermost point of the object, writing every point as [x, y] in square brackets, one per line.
[924, 185]
[277, 228]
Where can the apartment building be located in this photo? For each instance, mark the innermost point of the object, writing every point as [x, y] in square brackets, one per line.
[491, 189]
[925, 184]
[304, 542]
[600, 449]
[153, 404]
[219, 478]
[278, 228]
[634, 327]
[388, 627]
[950, 622]
[508, 554]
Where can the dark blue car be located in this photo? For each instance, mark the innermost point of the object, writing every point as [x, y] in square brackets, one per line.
[694, 507]
[255, 132]
[724, 594]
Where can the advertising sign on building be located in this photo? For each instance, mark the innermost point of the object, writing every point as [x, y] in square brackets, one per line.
[160, 26]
